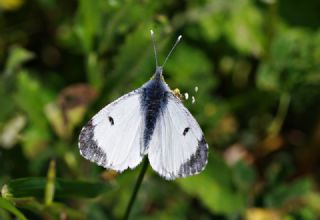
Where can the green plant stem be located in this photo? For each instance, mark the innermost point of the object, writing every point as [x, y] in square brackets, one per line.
[136, 188]
[50, 185]
[272, 26]
[277, 122]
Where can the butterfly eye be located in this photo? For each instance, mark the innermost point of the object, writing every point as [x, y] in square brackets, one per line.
[111, 120]
[185, 131]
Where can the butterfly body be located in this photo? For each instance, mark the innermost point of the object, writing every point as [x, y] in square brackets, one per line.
[154, 100]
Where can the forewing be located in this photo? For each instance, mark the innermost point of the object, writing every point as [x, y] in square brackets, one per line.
[177, 147]
[112, 137]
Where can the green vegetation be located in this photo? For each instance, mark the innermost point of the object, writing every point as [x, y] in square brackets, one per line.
[256, 64]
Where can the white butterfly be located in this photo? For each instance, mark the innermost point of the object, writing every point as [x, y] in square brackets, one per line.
[151, 121]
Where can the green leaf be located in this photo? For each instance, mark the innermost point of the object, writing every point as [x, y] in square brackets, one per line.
[4, 215]
[94, 72]
[123, 17]
[189, 67]
[214, 188]
[35, 187]
[17, 56]
[292, 61]
[31, 97]
[96, 212]
[5, 204]
[89, 17]
[284, 193]
[244, 29]
[244, 176]
[53, 210]
[211, 26]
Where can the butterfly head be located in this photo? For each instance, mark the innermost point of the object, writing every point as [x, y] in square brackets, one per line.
[158, 73]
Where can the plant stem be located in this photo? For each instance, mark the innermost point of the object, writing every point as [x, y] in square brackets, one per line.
[281, 114]
[136, 188]
[50, 185]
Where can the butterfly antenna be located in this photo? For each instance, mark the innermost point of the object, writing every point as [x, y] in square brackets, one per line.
[174, 46]
[154, 47]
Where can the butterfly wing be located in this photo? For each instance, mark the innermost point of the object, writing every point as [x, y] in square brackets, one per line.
[112, 137]
[177, 147]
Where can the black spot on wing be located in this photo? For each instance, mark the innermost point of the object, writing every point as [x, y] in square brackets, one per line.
[197, 161]
[111, 120]
[88, 146]
[185, 131]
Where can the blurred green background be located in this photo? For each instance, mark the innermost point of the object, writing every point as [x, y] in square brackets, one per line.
[256, 64]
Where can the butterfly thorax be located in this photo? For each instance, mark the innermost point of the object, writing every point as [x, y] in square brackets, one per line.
[158, 74]
[154, 99]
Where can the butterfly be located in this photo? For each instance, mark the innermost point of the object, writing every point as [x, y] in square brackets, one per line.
[149, 121]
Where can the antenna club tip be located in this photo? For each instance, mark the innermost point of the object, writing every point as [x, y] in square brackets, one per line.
[180, 36]
[151, 32]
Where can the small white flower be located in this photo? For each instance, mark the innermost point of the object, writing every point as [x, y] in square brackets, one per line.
[193, 99]
[196, 88]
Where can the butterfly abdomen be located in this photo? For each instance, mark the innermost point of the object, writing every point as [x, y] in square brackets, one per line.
[153, 100]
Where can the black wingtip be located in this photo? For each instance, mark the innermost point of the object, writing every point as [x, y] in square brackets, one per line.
[197, 161]
[88, 146]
